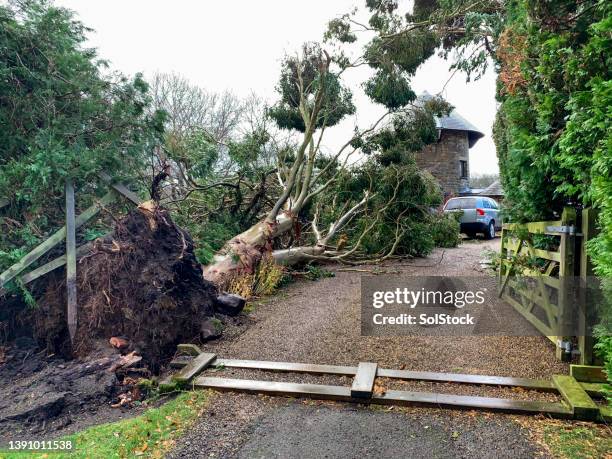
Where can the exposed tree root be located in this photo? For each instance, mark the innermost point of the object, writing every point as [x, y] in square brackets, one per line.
[141, 282]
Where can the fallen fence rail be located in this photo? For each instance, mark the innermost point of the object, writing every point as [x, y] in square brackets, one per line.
[576, 395]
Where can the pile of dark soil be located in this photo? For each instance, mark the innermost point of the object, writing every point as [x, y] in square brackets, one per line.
[35, 389]
[48, 396]
[142, 283]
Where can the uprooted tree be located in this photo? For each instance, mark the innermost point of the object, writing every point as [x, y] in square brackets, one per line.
[251, 180]
[387, 189]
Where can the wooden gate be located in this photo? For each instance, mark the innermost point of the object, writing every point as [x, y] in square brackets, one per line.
[574, 390]
[542, 283]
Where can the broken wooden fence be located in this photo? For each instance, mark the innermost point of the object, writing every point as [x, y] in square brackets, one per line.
[576, 401]
[544, 296]
[65, 234]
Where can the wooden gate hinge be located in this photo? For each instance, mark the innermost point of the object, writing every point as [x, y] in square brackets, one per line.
[565, 229]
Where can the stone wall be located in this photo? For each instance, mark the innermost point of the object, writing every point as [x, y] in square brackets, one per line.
[443, 158]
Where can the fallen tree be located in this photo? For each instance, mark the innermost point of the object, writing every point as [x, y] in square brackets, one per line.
[312, 101]
[144, 281]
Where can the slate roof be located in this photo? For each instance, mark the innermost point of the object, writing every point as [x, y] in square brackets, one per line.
[455, 122]
[494, 189]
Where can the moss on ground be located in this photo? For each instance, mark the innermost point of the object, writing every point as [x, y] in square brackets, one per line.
[150, 435]
[568, 440]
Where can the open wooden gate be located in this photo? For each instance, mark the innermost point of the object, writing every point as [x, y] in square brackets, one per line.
[545, 295]
[577, 402]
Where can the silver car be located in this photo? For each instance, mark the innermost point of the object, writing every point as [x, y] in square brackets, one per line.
[480, 215]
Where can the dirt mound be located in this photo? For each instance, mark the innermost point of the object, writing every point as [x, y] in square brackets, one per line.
[142, 283]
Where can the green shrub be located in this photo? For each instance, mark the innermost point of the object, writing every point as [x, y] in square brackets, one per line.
[315, 272]
[445, 230]
[63, 115]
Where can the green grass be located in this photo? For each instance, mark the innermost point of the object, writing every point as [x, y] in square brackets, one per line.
[150, 435]
[578, 441]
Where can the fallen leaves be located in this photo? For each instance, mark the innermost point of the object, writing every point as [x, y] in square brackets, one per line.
[140, 451]
[379, 390]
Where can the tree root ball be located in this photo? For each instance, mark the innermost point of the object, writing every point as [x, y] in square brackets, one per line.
[142, 282]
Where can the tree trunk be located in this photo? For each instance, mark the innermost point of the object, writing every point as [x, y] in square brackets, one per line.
[242, 253]
[295, 255]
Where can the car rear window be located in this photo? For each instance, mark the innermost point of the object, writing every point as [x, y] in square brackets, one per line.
[461, 203]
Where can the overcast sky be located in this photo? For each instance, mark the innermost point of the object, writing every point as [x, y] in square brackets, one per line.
[237, 45]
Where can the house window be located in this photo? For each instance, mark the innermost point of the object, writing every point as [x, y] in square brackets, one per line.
[463, 168]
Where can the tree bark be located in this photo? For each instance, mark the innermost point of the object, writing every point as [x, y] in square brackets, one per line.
[242, 253]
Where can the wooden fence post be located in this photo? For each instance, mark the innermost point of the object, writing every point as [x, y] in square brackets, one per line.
[585, 338]
[502, 259]
[71, 274]
[567, 268]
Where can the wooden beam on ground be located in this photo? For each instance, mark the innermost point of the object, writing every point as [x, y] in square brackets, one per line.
[393, 397]
[71, 273]
[605, 413]
[318, 391]
[398, 397]
[287, 367]
[363, 384]
[582, 405]
[193, 368]
[589, 373]
[54, 240]
[596, 390]
[189, 349]
[533, 384]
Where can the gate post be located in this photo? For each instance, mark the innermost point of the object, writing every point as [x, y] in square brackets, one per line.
[567, 268]
[585, 338]
[503, 256]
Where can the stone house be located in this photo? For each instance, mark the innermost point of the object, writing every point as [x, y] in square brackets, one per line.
[448, 159]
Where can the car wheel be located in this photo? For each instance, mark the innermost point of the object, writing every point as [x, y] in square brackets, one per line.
[490, 234]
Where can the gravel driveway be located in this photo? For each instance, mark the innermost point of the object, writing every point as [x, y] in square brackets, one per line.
[319, 322]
